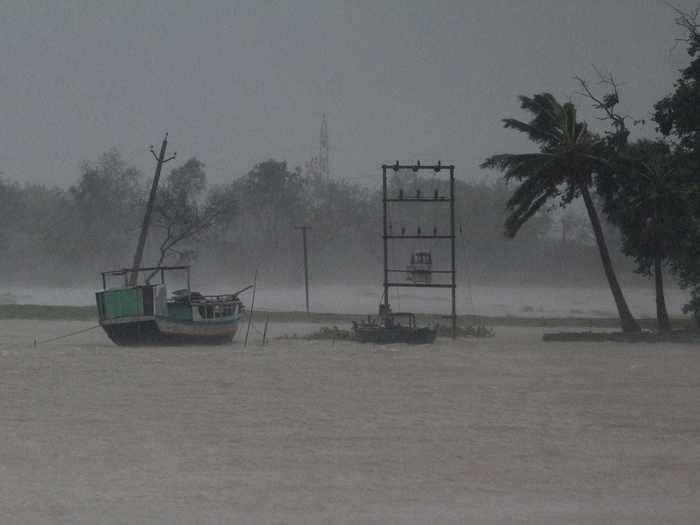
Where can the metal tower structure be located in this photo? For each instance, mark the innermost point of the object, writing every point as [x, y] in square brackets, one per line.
[323, 166]
[389, 235]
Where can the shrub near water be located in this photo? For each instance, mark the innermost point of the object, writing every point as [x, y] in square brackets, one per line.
[334, 333]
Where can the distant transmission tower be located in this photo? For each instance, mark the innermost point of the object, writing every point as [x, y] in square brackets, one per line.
[323, 167]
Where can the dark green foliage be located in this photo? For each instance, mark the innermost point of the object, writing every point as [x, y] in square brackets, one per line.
[50, 226]
[106, 205]
[10, 213]
[272, 201]
[685, 257]
[343, 215]
[644, 194]
[678, 114]
[271, 185]
[678, 118]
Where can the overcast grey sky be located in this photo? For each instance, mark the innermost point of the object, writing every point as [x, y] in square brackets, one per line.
[236, 82]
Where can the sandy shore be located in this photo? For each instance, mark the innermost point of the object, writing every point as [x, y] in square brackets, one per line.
[502, 430]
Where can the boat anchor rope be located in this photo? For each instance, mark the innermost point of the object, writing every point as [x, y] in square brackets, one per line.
[37, 342]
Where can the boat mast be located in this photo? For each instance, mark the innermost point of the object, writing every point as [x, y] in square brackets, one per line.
[160, 160]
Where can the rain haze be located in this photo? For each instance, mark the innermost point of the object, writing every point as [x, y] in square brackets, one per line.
[238, 82]
[349, 262]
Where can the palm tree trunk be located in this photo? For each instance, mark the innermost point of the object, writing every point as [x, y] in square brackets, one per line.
[627, 321]
[662, 320]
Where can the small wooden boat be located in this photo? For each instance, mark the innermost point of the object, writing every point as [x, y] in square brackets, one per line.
[399, 327]
[144, 314]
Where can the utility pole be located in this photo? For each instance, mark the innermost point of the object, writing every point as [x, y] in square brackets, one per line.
[324, 147]
[306, 263]
[160, 160]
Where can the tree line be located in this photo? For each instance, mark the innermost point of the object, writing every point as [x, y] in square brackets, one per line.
[68, 235]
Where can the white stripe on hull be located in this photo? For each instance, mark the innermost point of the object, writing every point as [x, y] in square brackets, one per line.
[168, 327]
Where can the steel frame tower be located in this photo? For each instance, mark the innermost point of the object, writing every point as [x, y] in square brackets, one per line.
[389, 236]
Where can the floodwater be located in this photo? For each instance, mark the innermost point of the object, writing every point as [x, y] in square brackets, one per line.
[499, 430]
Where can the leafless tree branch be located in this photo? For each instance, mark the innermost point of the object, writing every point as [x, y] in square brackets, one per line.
[688, 20]
[607, 104]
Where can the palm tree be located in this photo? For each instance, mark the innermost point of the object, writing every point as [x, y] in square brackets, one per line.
[562, 169]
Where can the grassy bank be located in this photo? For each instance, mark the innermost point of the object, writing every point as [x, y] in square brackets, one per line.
[44, 312]
[89, 313]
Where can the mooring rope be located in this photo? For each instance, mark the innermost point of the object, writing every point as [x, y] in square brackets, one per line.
[37, 342]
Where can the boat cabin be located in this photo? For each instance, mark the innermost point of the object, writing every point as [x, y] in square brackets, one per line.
[149, 300]
[421, 267]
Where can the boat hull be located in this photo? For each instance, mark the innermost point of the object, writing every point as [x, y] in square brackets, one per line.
[382, 335]
[166, 332]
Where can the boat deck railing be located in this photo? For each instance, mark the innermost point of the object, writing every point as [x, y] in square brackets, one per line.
[209, 299]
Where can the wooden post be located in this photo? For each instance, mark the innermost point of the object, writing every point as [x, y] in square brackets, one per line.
[252, 308]
[267, 321]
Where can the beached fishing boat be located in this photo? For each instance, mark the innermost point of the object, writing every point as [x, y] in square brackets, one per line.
[149, 314]
[138, 312]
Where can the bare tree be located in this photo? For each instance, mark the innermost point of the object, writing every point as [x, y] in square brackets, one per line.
[183, 214]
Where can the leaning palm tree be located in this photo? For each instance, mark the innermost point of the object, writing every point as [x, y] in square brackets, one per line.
[561, 170]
